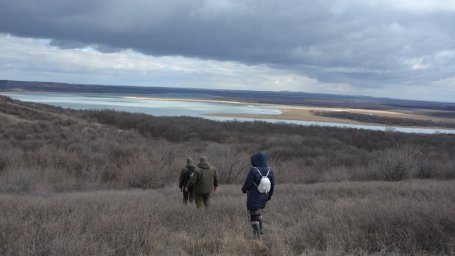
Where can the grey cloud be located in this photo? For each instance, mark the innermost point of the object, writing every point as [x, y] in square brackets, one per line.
[336, 41]
[65, 44]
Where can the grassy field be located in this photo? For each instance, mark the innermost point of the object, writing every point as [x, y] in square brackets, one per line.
[375, 218]
[104, 183]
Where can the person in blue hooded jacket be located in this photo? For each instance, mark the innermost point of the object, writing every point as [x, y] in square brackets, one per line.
[256, 201]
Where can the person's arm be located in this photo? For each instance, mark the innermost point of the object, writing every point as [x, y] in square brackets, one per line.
[248, 182]
[215, 181]
[182, 179]
[272, 182]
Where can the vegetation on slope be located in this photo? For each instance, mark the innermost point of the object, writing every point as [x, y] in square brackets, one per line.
[387, 120]
[332, 196]
[355, 218]
[64, 150]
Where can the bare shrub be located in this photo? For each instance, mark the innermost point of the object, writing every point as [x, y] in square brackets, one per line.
[18, 181]
[425, 169]
[448, 172]
[295, 171]
[142, 173]
[395, 164]
[431, 169]
[283, 140]
[151, 169]
[49, 156]
[230, 161]
[362, 173]
[336, 174]
[3, 163]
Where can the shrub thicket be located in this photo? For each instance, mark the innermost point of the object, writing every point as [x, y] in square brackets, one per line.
[73, 150]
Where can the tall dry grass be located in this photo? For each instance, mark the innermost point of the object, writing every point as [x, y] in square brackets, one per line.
[346, 218]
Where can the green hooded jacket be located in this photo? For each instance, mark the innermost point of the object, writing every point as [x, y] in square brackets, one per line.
[204, 179]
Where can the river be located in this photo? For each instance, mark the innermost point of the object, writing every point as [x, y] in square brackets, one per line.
[170, 105]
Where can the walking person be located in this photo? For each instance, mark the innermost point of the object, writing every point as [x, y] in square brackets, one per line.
[259, 185]
[185, 176]
[203, 181]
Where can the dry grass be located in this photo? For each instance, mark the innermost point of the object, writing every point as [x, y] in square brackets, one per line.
[377, 218]
[94, 151]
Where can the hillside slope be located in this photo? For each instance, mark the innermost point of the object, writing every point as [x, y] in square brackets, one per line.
[52, 160]
[50, 148]
[54, 148]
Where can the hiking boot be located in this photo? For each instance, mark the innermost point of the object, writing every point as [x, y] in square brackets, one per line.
[256, 229]
[261, 227]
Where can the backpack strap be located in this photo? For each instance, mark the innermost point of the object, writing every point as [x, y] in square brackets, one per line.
[267, 175]
[261, 173]
[254, 182]
[258, 171]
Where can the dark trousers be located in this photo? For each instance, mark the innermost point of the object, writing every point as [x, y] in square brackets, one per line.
[255, 215]
[188, 196]
[256, 222]
[202, 199]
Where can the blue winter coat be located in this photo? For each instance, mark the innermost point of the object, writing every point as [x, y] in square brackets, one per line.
[256, 200]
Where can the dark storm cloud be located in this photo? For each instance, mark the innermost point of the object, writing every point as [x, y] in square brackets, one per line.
[364, 43]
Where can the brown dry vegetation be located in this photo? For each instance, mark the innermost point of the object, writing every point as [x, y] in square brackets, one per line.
[407, 120]
[378, 218]
[335, 193]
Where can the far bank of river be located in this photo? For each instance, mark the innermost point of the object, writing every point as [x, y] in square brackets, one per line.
[184, 105]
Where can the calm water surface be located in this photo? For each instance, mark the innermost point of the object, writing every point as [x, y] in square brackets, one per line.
[154, 107]
[166, 107]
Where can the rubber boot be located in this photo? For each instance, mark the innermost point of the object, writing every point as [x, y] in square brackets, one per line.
[256, 229]
[261, 227]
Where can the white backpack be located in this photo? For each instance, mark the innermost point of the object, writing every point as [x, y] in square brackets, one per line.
[265, 184]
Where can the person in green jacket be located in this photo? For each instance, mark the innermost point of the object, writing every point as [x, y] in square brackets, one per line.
[203, 181]
[185, 176]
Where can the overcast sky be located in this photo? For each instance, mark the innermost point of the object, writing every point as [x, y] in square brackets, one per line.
[391, 48]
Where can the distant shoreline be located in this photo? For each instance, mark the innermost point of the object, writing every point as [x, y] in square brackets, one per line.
[297, 112]
[192, 100]
[288, 112]
[342, 115]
